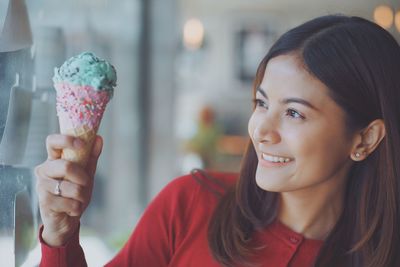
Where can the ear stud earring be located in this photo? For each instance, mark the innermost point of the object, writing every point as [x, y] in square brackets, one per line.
[357, 155]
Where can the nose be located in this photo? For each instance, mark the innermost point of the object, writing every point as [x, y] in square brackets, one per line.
[265, 131]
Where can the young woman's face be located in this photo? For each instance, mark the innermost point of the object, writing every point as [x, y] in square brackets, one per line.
[297, 130]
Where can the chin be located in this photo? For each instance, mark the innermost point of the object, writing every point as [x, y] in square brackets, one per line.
[271, 184]
[275, 179]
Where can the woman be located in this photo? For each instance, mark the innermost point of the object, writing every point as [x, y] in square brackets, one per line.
[319, 183]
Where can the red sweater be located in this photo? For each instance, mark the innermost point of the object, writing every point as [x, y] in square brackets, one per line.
[173, 232]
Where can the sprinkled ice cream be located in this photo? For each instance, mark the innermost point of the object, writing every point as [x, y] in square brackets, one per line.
[84, 85]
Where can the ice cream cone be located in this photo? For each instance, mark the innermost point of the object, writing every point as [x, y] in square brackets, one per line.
[80, 110]
[84, 85]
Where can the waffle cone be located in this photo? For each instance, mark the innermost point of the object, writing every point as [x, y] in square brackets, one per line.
[81, 155]
[80, 110]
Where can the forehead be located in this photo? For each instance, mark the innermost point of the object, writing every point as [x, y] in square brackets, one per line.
[285, 76]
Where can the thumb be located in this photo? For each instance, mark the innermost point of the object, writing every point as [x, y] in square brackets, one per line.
[94, 156]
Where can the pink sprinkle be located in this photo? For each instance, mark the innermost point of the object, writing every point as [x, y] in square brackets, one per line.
[84, 104]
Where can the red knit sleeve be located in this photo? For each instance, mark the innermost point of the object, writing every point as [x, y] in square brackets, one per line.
[69, 255]
[161, 227]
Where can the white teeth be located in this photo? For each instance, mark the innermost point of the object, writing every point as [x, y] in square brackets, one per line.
[275, 159]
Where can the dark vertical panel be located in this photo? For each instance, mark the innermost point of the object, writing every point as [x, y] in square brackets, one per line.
[143, 101]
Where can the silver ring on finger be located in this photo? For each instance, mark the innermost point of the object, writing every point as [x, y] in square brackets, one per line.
[57, 190]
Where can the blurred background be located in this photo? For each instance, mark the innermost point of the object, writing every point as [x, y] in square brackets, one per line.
[185, 71]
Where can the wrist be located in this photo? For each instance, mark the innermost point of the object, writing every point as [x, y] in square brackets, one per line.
[56, 239]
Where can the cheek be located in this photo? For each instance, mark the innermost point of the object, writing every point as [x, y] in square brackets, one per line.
[321, 147]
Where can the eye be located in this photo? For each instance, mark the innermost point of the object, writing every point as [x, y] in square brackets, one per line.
[260, 103]
[294, 114]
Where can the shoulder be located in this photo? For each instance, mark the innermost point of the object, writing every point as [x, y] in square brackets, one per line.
[195, 189]
[202, 181]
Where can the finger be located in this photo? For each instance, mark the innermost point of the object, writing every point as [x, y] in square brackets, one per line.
[50, 203]
[55, 143]
[94, 156]
[64, 169]
[67, 189]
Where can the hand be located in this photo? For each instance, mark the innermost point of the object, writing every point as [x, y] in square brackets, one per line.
[61, 213]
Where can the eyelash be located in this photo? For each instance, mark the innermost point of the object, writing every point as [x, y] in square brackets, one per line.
[259, 103]
[289, 112]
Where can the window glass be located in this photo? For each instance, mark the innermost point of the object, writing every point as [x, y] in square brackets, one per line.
[58, 30]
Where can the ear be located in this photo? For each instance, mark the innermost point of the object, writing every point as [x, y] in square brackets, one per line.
[367, 140]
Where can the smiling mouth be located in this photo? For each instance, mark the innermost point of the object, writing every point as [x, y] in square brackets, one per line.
[275, 159]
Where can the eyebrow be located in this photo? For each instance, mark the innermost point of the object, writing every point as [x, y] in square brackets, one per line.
[289, 100]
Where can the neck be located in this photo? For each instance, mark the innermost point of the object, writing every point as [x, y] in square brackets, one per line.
[312, 212]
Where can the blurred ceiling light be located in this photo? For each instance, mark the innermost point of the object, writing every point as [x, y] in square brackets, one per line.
[383, 15]
[193, 34]
[397, 20]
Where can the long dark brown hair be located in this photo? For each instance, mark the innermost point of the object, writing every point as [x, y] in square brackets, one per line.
[359, 62]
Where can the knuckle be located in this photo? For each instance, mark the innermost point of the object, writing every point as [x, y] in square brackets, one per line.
[48, 140]
[51, 140]
[37, 171]
[59, 140]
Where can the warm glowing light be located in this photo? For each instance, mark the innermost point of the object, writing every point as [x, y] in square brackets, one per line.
[397, 20]
[193, 34]
[383, 15]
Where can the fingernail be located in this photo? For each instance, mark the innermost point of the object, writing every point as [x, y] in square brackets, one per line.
[78, 143]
